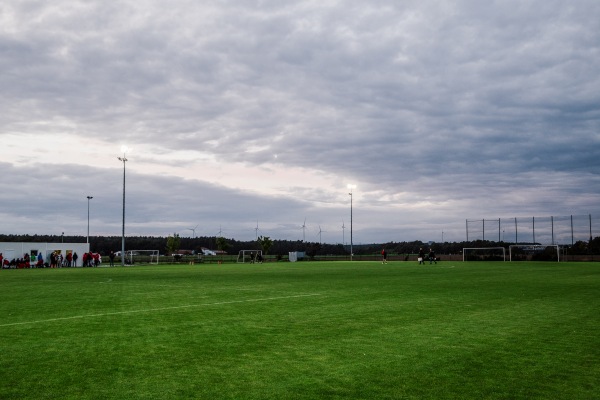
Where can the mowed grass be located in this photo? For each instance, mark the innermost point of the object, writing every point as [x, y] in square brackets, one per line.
[311, 330]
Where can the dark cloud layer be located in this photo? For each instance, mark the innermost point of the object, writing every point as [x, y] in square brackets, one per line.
[438, 112]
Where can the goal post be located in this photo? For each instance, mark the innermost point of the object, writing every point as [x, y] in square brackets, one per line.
[142, 257]
[249, 255]
[484, 254]
[534, 252]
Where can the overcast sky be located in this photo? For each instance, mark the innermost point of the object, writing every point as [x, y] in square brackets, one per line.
[245, 113]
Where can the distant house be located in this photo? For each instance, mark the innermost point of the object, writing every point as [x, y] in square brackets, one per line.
[209, 252]
[183, 252]
[204, 252]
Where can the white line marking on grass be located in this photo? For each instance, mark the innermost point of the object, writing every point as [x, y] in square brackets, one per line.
[144, 285]
[158, 309]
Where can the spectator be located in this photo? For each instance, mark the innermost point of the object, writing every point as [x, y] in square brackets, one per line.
[421, 256]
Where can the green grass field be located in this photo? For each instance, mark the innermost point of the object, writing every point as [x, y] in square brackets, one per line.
[311, 330]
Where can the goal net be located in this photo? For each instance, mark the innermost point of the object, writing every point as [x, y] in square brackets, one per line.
[534, 252]
[141, 256]
[250, 256]
[484, 254]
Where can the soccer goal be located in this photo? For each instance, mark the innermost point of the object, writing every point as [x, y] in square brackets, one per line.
[250, 256]
[484, 254]
[534, 252]
[142, 256]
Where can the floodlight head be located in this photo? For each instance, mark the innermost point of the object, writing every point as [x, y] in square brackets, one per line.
[90, 197]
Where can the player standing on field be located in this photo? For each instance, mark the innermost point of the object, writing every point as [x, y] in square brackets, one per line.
[432, 256]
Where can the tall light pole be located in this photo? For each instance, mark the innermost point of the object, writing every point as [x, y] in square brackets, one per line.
[88, 232]
[351, 240]
[124, 159]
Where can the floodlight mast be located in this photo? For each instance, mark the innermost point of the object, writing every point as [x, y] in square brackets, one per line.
[88, 227]
[124, 149]
[350, 186]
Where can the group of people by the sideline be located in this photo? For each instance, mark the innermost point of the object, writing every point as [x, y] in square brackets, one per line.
[91, 259]
[24, 262]
[55, 260]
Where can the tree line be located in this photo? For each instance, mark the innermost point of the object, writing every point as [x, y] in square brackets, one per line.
[106, 244]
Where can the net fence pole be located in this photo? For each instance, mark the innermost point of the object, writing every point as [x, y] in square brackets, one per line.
[498, 229]
[552, 223]
[572, 239]
[484, 229]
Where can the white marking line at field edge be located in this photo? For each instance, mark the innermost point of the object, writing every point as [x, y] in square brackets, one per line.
[158, 309]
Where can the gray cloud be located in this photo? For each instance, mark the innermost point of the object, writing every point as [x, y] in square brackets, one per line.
[441, 112]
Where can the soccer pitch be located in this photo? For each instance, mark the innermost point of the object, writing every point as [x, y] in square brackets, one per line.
[310, 330]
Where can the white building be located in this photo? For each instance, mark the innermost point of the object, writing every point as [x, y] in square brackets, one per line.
[16, 250]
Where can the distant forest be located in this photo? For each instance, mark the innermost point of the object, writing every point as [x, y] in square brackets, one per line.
[104, 244]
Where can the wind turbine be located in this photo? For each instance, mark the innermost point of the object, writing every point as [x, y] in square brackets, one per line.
[256, 230]
[320, 231]
[304, 230]
[193, 231]
[343, 233]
